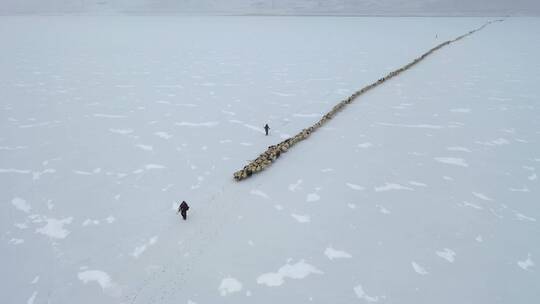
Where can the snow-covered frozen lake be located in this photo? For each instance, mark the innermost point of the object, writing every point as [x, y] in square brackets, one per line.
[425, 190]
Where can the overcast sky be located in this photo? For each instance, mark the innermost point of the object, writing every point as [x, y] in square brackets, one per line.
[363, 7]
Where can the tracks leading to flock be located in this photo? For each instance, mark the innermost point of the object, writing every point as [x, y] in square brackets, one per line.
[265, 159]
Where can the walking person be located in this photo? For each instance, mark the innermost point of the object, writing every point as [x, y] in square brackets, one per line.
[266, 128]
[183, 208]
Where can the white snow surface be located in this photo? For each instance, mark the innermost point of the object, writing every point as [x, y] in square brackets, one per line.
[107, 122]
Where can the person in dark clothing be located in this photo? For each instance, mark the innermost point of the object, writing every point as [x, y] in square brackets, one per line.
[266, 128]
[183, 208]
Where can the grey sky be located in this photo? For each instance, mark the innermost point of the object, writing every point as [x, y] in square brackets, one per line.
[384, 7]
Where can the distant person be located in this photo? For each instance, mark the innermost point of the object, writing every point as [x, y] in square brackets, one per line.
[266, 128]
[183, 208]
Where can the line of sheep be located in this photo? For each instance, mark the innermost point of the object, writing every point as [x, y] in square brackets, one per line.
[273, 152]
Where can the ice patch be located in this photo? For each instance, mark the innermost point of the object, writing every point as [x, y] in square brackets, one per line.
[229, 285]
[15, 241]
[21, 225]
[332, 253]
[458, 149]
[121, 131]
[391, 186]
[526, 264]
[13, 148]
[163, 135]
[283, 94]
[365, 145]
[467, 204]
[11, 170]
[109, 115]
[98, 276]
[36, 175]
[90, 222]
[361, 294]
[140, 249]
[524, 189]
[46, 162]
[208, 124]
[418, 184]
[419, 269]
[21, 204]
[153, 167]
[301, 218]
[82, 172]
[32, 298]
[500, 141]
[461, 110]
[495, 213]
[166, 188]
[352, 206]
[259, 193]
[496, 142]
[41, 124]
[479, 239]
[355, 187]
[532, 177]
[383, 210]
[293, 187]
[452, 161]
[145, 147]
[187, 105]
[523, 217]
[35, 280]
[447, 254]
[482, 196]
[312, 197]
[299, 270]
[55, 228]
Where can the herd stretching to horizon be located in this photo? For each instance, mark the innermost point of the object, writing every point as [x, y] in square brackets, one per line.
[273, 152]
